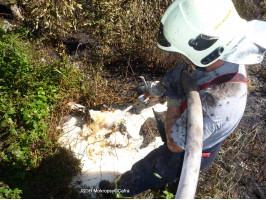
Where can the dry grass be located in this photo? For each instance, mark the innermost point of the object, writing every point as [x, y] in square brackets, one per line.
[233, 166]
[127, 33]
[125, 36]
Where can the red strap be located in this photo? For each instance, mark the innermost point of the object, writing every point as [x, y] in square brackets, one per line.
[184, 106]
[206, 155]
[231, 77]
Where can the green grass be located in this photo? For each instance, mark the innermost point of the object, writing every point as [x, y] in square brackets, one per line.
[34, 94]
[29, 97]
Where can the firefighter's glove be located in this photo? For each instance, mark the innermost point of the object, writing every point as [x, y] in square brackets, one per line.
[154, 88]
[174, 91]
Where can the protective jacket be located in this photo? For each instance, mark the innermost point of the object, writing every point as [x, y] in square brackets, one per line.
[223, 104]
[223, 93]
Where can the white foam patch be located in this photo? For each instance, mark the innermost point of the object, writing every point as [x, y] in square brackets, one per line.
[109, 146]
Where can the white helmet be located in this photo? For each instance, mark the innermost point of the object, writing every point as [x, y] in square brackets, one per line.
[202, 30]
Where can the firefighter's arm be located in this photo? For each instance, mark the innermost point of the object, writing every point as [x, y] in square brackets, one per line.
[174, 94]
[172, 114]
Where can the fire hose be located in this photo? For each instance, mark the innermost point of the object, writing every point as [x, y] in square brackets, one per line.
[193, 150]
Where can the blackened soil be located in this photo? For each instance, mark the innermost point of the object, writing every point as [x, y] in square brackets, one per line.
[149, 130]
[5, 12]
[78, 44]
[239, 171]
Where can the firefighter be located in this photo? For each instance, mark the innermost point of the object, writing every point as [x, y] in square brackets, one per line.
[219, 42]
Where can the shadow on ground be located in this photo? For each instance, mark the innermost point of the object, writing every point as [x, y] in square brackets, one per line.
[49, 180]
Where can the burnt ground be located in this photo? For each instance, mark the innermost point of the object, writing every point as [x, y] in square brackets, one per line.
[239, 170]
[150, 129]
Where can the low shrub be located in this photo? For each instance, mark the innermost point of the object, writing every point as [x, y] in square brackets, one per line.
[126, 31]
[29, 94]
[51, 18]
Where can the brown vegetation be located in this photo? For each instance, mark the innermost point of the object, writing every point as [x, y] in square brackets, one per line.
[111, 43]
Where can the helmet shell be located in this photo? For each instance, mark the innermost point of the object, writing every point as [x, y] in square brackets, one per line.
[202, 30]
